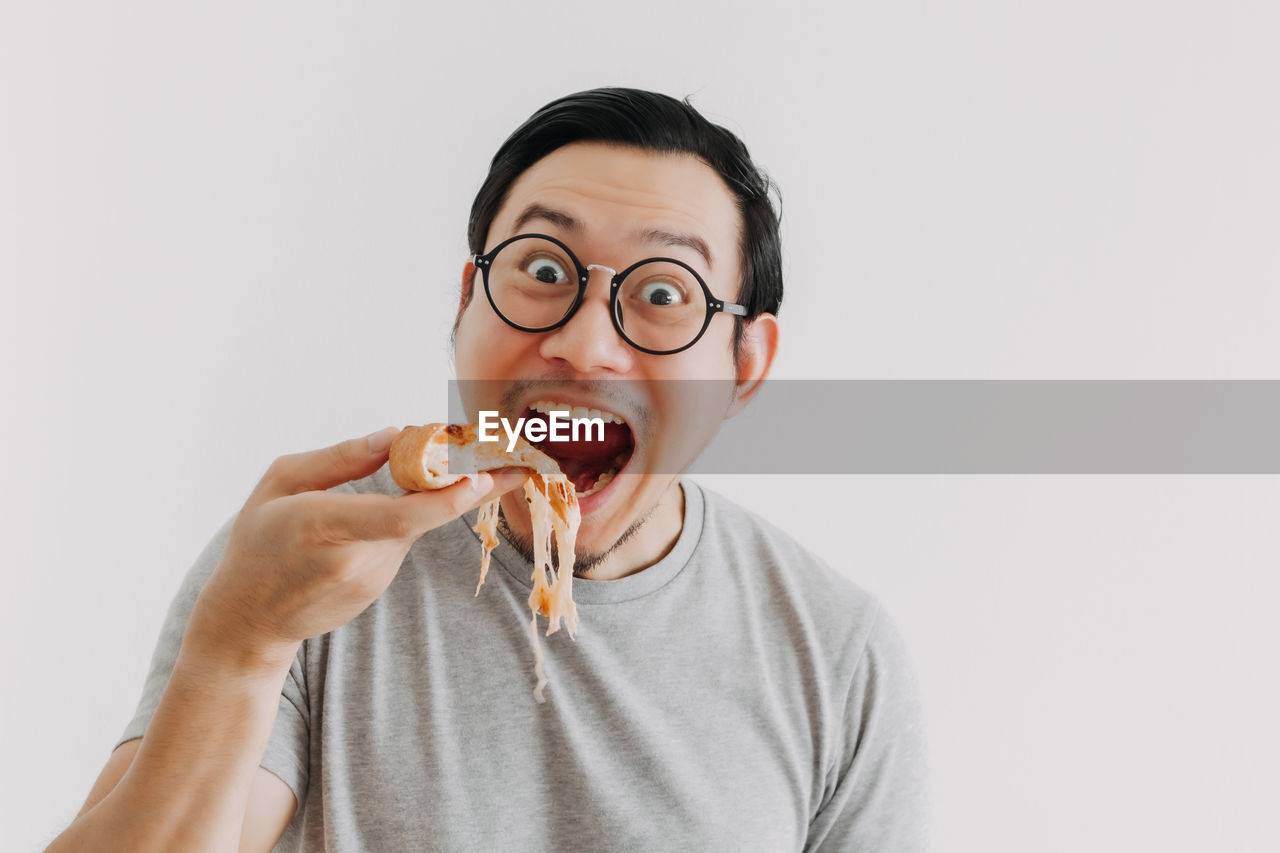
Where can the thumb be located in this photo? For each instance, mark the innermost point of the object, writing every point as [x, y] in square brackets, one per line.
[328, 467]
[419, 512]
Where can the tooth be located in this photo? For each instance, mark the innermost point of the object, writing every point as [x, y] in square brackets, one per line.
[578, 413]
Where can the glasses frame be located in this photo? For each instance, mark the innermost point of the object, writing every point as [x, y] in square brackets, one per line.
[714, 306]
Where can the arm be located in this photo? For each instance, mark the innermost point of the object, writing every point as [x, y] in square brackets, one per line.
[171, 791]
[271, 802]
[299, 561]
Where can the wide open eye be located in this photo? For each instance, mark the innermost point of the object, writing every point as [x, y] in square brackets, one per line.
[546, 270]
[661, 293]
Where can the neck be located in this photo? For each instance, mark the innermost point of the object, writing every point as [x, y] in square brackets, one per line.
[652, 540]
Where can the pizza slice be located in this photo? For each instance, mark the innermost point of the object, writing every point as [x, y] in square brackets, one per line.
[420, 461]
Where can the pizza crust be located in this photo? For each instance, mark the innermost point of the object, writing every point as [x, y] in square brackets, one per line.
[420, 456]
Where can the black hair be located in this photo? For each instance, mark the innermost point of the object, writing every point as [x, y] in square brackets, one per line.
[653, 122]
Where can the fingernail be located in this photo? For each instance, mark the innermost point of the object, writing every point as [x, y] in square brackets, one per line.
[379, 441]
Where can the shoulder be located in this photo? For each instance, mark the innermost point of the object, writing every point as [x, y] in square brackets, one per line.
[858, 681]
[825, 605]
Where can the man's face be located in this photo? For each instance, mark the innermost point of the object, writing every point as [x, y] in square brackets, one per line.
[612, 206]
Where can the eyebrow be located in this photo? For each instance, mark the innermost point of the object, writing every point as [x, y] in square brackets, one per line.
[658, 236]
[555, 217]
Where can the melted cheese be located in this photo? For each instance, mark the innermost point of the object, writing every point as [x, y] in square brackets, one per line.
[553, 511]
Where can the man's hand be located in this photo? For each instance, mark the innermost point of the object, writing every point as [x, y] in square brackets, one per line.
[302, 561]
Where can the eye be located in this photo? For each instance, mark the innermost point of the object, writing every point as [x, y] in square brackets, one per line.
[661, 293]
[546, 271]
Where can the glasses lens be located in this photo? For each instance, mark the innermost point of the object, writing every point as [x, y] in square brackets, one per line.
[661, 306]
[533, 282]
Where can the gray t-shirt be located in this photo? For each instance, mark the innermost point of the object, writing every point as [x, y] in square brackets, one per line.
[737, 695]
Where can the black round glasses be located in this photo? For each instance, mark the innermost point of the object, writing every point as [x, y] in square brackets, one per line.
[659, 306]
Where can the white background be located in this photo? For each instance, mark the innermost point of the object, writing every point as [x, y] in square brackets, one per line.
[235, 231]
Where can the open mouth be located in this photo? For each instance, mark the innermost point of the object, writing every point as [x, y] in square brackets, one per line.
[595, 458]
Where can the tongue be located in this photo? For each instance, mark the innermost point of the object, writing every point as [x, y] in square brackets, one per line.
[584, 461]
[582, 475]
[616, 440]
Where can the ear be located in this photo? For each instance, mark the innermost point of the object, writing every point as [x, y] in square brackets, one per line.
[468, 289]
[759, 346]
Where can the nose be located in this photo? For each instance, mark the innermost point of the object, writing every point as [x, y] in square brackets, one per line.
[588, 343]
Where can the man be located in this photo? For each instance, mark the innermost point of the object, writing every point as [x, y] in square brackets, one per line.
[326, 678]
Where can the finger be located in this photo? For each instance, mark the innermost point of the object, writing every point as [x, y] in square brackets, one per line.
[360, 517]
[506, 479]
[328, 467]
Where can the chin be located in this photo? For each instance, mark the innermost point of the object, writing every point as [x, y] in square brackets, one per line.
[635, 501]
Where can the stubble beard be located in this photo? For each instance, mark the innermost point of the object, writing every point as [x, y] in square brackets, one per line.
[583, 564]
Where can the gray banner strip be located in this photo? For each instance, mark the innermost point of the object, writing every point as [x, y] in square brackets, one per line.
[990, 427]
